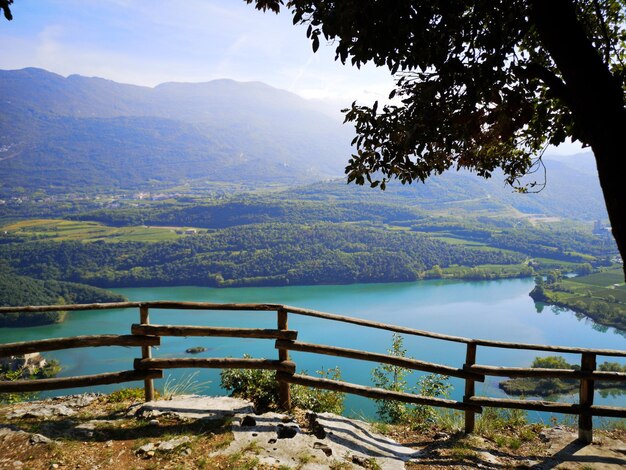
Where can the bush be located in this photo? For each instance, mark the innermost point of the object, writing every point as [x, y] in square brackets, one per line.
[261, 387]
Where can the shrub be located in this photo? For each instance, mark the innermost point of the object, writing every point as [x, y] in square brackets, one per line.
[261, 387]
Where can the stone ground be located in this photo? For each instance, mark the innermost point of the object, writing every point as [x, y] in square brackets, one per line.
[94, 432]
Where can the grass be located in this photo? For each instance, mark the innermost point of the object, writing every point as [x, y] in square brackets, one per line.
[463, 450]
[602, 279]
[126, 394]
[185, 385]
[459, 241]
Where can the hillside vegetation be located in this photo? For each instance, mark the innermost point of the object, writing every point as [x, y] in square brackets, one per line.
[21, 290]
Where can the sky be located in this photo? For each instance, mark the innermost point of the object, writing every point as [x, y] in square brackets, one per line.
[147, 42]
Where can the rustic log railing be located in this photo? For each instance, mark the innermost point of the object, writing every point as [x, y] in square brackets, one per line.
[148, 368]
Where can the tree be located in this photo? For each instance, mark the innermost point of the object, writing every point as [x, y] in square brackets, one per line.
[481, 85]
[6, 9]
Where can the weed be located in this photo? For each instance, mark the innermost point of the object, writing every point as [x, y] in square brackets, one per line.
[126, 394]
[450, 420]
[337, 465]
[305, 458]
[493, 420]
[381, 428]
[186, 385]
[372, 464]
[238, 461]
[613, 424]
[253, 447]
[463, 450]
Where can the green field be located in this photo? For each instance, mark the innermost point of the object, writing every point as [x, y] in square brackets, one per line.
[458, 241]
[63, 230]
[611, 278]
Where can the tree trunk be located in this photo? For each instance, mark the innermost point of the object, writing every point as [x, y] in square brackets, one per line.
[597, 100]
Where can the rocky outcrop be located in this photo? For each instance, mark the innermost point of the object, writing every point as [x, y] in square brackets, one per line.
[26, 362]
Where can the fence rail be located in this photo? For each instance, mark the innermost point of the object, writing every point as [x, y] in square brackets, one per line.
[147, 368]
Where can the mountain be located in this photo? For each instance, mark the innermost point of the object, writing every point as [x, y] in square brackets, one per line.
[77, 134]
[62, 134]
[572, 190]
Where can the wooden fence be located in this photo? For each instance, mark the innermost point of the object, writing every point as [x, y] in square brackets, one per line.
[146, 368]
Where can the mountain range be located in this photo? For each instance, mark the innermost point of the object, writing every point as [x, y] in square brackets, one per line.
[84, 132]
[78, 134]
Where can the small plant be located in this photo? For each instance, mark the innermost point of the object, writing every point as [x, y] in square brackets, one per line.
[372, 464]
[394, 378]
[319, 400]
[304, 459]
[186, 385]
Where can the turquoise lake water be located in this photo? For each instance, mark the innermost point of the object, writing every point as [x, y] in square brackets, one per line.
[499, 310]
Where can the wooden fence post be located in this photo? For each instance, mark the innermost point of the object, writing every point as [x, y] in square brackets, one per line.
[284, 391]
[585, 419]
[470, 360]
[146, 353]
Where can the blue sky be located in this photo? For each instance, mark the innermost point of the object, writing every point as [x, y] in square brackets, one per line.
[150, 42]
[147, 42]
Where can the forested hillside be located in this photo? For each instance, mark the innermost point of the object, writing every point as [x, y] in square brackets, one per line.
[18, 290]
[61, 135]
[261, 254]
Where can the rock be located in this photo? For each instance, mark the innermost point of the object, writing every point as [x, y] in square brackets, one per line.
[441, 436]
[172, 444]
[195, 350]
[39, 439]
[153, 422]
[40, 410]
[489, 458]
[82, 400]
[85, 429]
[193, 407]
[148, 450]
[145, 450]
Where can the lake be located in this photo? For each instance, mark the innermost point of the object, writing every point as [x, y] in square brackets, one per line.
[498, 310]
